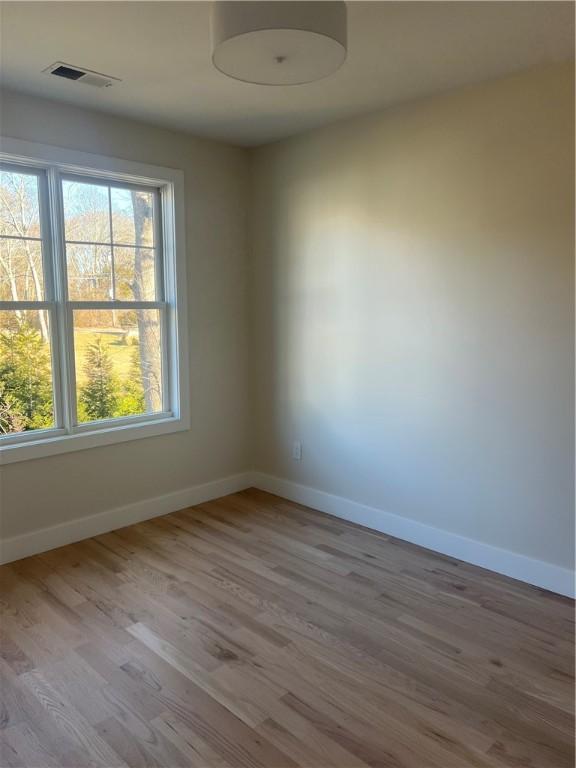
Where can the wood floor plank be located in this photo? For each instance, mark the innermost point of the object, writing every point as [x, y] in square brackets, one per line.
[250, 632]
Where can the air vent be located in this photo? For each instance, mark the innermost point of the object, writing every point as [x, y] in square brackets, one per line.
[67, 72]
[80, 75]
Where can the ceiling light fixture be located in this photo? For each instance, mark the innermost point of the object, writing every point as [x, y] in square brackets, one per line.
[278, 43]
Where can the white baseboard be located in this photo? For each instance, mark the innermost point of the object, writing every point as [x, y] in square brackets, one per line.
[44, 539]
[536, 572]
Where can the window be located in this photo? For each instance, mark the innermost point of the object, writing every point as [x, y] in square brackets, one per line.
[91, 322]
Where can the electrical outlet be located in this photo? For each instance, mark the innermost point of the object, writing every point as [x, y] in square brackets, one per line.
[297, 450]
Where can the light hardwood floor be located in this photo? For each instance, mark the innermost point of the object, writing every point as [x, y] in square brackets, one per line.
[254, 632]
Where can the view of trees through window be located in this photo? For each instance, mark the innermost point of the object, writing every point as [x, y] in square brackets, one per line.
[110, 256]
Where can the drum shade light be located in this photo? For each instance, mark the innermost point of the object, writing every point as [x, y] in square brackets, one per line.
[278, 43]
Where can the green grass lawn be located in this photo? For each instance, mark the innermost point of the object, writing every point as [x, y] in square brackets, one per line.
[121, 351]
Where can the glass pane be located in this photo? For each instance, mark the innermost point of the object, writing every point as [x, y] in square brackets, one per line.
[86, 211]
[132, 216]
[89, 208]
[19, 206]
[21, 274]
[135, 275]
[118, 363]
[89, 272]
[26, 400]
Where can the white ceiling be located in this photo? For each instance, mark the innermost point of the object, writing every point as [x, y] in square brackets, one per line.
[161, 51]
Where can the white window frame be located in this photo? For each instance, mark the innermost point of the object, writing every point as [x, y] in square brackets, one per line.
[52, 164]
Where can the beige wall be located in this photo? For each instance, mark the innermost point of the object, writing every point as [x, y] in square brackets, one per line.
[413, 311]
[34, 494]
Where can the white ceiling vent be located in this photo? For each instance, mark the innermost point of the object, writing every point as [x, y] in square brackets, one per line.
[81, 75]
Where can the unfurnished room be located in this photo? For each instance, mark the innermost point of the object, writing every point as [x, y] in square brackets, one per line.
[287, 459]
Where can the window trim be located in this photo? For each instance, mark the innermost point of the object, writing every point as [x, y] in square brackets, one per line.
[170, 183]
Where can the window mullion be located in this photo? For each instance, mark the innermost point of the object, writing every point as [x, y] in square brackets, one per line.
[158, 219]
[168, 400]
[113, 267]
[48, 305]
[112, 305]
[63, 313]
[27, 305]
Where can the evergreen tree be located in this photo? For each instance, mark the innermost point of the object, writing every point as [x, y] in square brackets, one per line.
[25, 377]
[11, 420]
[98, 396]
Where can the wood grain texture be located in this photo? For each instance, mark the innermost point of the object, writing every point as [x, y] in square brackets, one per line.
[252, 632]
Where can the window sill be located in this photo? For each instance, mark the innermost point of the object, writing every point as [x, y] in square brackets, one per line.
[52, 446]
